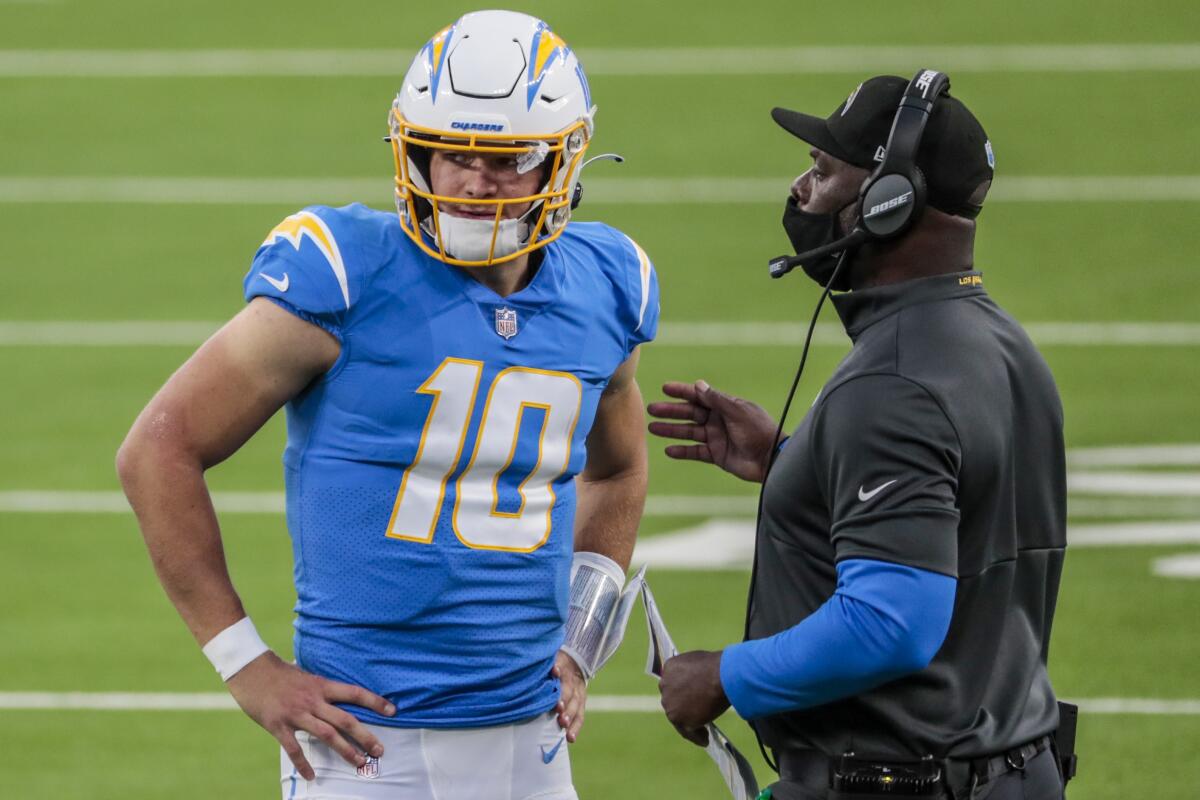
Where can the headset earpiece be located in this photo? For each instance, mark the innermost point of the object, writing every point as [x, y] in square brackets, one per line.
[892, 199]
[889, 205]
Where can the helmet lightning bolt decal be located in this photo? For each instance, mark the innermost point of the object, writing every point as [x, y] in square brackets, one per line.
[305, 223]
[436, 51]
[547, 46]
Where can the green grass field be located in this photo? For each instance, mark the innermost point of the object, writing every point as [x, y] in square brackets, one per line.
[80, 609]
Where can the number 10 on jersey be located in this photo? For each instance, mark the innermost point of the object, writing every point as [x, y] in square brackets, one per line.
[476, 517]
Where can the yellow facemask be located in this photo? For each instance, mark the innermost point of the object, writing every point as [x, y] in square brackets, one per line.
[550, 209]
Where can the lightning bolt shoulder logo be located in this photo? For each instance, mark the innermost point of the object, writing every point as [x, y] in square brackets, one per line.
[644, 272]
[307, 224]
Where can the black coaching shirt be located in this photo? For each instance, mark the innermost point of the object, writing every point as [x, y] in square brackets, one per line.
[937, 444]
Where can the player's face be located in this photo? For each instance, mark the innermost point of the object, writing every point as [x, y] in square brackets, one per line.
[481, 176]
[829, 185]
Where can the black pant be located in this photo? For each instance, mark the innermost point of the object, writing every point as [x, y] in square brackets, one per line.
[1039, 780]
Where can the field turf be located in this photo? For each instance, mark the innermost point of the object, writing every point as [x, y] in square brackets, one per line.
[80, 609]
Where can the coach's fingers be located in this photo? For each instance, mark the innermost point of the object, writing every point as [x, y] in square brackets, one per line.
[689, 452]
[689, 411]
[679, 390]
[714, 398]
[332, 737]
[295, 754]
[678, 430]
[353, 729]
[337, 692]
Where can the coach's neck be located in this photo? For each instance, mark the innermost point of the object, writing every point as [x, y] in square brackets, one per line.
[938, 244]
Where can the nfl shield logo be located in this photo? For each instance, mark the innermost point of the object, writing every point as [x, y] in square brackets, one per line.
[370, 769]
[506, 322]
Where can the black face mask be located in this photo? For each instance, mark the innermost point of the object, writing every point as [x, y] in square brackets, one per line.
[809, 231]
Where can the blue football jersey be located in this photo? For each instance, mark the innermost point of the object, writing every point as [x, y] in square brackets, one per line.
[429, 472]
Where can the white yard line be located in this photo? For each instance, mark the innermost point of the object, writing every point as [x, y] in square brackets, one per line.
[715, 61]
[725, 543]
[1183, 455]
[643, 704]
[598, 190]
[58, 502]
[1181, 566]
[1142, 484]
[790, 334]
[740, 506]
[133, 333]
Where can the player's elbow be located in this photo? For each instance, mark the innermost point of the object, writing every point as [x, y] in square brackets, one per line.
[149, 449]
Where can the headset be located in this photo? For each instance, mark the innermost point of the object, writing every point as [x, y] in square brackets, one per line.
[890, 202]
[892, 198]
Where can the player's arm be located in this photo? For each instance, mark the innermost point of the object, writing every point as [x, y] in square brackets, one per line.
[211, 406]
[610, 493]
[611, 490]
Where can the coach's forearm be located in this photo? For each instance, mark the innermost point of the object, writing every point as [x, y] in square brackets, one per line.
[165, 486]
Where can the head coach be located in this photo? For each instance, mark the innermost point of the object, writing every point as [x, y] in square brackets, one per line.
[912, 528]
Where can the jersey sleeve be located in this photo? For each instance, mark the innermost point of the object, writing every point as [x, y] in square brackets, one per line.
[638, 291]
[888, 458]
[301, 266]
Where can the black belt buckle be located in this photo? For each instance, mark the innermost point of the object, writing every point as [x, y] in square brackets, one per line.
[855, 778]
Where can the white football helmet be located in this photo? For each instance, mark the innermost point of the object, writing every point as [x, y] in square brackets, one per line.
[495, 82]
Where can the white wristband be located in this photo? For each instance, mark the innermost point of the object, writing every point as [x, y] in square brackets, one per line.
[234, 648]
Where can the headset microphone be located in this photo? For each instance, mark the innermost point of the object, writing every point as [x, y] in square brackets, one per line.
[782, 265]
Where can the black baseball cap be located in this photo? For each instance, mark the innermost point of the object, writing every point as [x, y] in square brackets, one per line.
[955, 155]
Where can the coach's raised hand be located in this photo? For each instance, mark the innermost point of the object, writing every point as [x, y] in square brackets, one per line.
[732, 433]
[285, 699]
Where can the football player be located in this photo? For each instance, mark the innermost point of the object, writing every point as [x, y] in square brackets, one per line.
[465, 464]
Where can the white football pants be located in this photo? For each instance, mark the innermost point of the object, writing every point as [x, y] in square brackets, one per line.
[522, 761]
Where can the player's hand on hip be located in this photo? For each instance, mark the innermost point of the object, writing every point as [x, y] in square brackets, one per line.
[692, 694]
[732, 433]
[573, 697]
[284, 699]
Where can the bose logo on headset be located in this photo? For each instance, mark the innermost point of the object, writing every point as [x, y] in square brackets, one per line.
[888, 205]
[924, 80]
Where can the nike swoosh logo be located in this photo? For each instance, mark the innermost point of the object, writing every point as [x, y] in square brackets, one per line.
[865, 496]
[548, 755]
[280, 284]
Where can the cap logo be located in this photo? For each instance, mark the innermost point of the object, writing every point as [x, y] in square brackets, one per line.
[880, 152]
[850, 99]
[991, 157]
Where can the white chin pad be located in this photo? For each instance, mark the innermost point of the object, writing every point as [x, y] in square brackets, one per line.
[596, 583]
[471, 239]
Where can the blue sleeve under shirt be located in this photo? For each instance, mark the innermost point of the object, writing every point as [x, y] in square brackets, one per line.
[884, 621]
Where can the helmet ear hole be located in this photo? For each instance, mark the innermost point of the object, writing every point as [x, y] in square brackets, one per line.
[577, 196]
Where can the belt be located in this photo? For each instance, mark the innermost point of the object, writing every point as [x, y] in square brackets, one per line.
[810, 768]
[978, 771]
